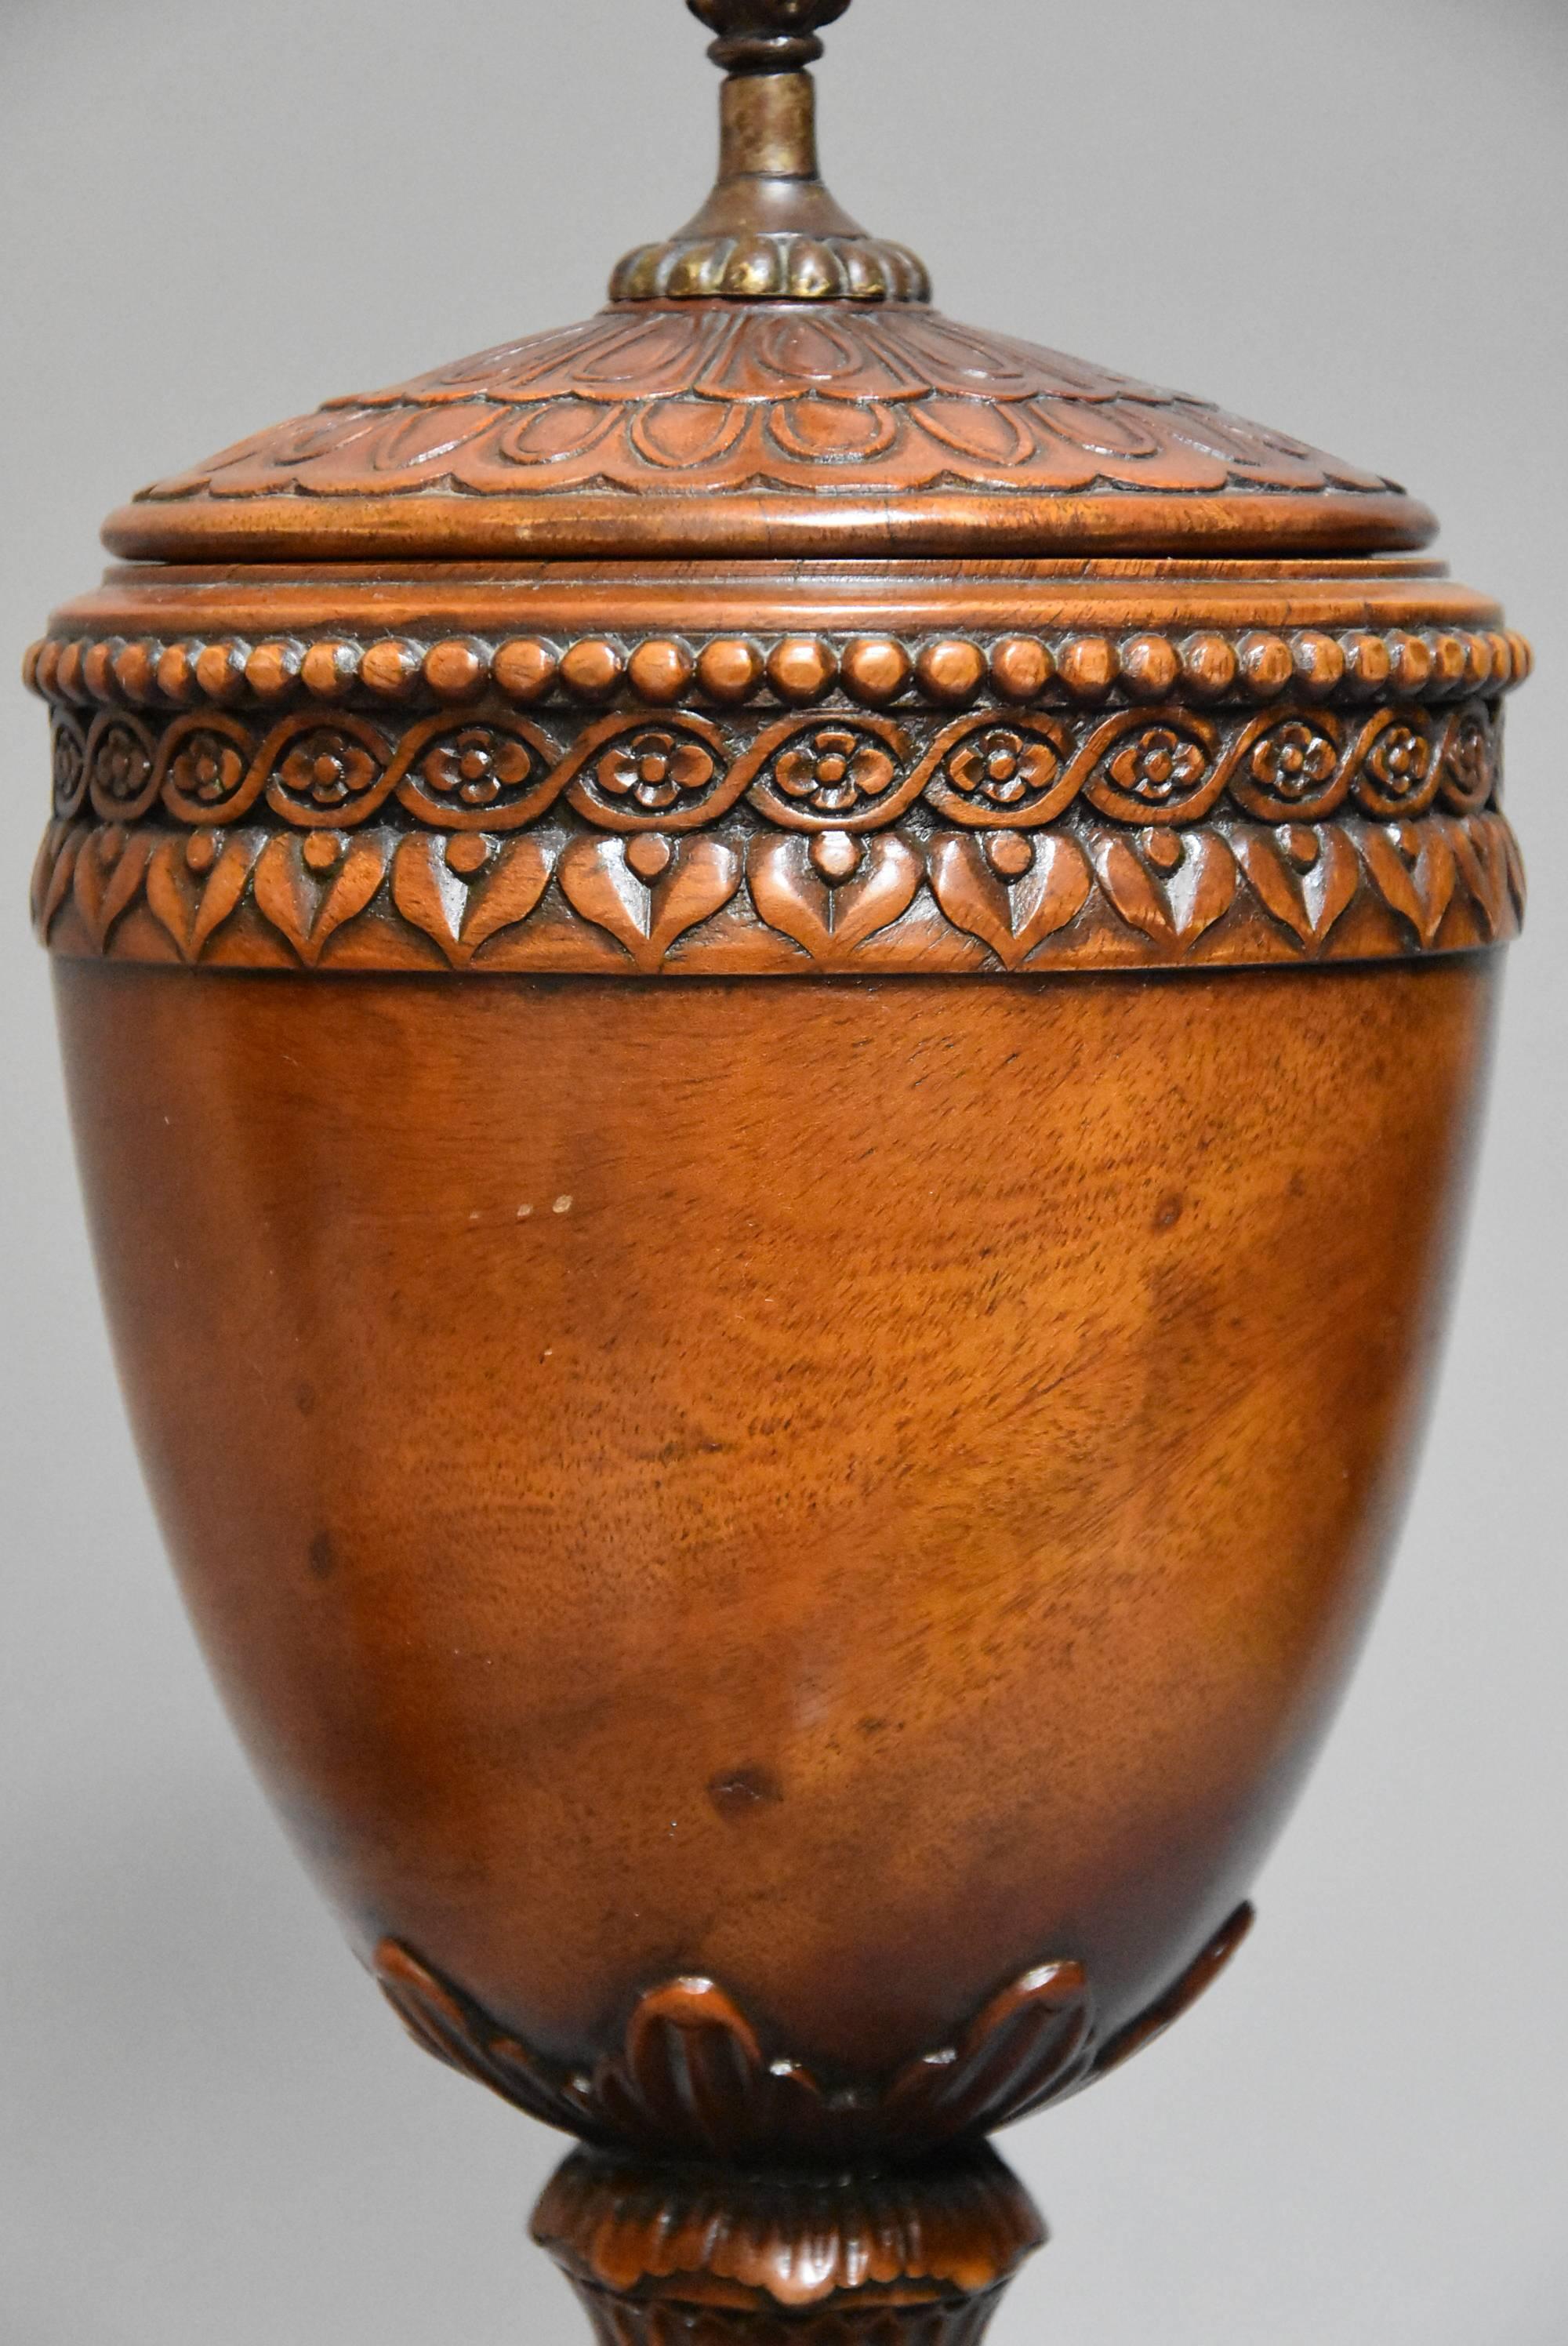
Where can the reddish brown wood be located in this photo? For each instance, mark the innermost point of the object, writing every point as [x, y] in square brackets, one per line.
[782, 1551]
[852, 1508]
[939, 798]
[660, 2253]
[941, 440]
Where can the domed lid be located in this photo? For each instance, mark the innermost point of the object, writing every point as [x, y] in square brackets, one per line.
[769, 380]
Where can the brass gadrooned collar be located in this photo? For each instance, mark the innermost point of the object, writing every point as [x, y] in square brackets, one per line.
[770, 230]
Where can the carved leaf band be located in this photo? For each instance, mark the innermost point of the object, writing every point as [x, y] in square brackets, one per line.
[692, 2076]
[767, 901]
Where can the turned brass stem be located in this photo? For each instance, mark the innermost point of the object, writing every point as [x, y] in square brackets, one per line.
[768, 127]
[768, 182]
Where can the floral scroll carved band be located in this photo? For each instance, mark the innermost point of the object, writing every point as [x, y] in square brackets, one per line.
[693, 2078]
[491, 769]
[1077, 801]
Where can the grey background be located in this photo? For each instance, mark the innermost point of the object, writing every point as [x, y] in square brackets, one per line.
[1346, 217]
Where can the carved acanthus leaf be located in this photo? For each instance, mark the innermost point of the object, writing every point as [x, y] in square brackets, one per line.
[960, 2227]
[693, 2078]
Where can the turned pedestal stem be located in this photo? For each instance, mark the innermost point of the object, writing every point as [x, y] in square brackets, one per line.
[695, 2256]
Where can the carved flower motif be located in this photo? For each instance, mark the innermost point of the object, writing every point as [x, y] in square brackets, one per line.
[67, 764]
[1400, 761]
[327, 769]
[1470, 767]
[654, 770]
[1157, 765]
[476, 767]
[834, 768]
[1294, 760]
[208, 768]
[121, 765]
[1001, 766]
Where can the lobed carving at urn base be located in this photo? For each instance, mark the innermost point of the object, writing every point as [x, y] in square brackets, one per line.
[692, 2078]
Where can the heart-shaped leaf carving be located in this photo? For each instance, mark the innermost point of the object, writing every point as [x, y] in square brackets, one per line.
[1412, 867]
[832, 919]
[1482, 863]
[52, 875]
[193, 902]
[108, 877]
[308, 888]
[1513, 859]
[647, 916]
[1011, 916]
[1305, 878]
[461, 908]
[1170, 884]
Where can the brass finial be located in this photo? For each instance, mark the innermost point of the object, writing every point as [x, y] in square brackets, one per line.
[770, 230]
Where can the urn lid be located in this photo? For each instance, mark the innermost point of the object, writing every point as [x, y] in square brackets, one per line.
[769, 380]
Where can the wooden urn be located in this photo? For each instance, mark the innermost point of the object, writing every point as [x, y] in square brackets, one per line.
[775, 1013]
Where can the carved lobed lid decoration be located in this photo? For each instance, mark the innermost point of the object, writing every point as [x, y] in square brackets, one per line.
[769, 380]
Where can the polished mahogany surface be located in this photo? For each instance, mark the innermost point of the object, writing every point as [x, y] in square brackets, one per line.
[852, 1491]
